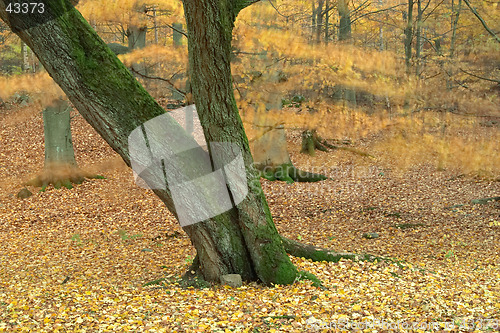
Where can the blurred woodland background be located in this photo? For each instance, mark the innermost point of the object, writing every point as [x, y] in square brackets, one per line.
[420, 77]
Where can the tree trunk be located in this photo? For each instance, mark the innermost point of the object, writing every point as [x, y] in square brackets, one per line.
[269, 149]
[60, 167]
[319, 20]
[209, 26]
[25, 65]
[155, 25]
[408, 35]
[243, 240]
[177, 38]
[310, 142]
[137, 40]
[57, 131]
[419, 45]
[327, 21]
[313, 19]
[272, 157]
[176, 35]
[345, 20]
[454, 23]
[381, 30]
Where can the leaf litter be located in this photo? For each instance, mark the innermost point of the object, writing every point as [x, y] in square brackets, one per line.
[78, 260]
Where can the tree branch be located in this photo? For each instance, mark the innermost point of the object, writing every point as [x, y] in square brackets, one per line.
[179, 31]
[375, 12]
[474, 11]
[161, 79]
[277, 11]
[481, 77]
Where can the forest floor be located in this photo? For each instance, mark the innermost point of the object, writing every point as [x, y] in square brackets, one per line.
[77, 260]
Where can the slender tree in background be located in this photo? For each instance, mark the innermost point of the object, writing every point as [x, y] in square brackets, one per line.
[344, 20]
[408, 31]
[455, 10]
[25, 65]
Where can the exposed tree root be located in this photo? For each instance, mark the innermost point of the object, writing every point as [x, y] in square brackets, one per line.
[289, 173]
[61, 175]
[315, 253]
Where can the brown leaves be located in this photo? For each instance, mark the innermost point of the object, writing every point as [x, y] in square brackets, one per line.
[93, 238]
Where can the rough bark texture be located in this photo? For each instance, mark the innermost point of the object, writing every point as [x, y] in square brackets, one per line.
[209, 26]
[243, 240]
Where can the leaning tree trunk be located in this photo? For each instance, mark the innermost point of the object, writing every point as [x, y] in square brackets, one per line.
[243, 240]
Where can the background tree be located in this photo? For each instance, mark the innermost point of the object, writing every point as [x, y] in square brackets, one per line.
[60, 167]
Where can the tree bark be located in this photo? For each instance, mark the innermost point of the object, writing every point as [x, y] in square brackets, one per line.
[345, 20]
[25, 65]
[408, 35]
[243, 240]
[137, 40]
[60, 167]
[57, 132]
[327, 21]
[418, 45]
[319, 20]
[454, 24]
[209, 25]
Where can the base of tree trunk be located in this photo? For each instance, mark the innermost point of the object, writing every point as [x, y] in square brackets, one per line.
[312, 141]
[193, 277]
[61, 175]
[289, 173]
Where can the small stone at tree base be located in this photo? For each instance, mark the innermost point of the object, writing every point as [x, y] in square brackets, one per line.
[370, 235]
[24, 193]
[232, 280]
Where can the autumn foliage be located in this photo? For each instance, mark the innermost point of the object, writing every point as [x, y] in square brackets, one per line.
[419, 139]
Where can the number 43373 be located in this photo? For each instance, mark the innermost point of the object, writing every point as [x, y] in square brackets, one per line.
[25, 8]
